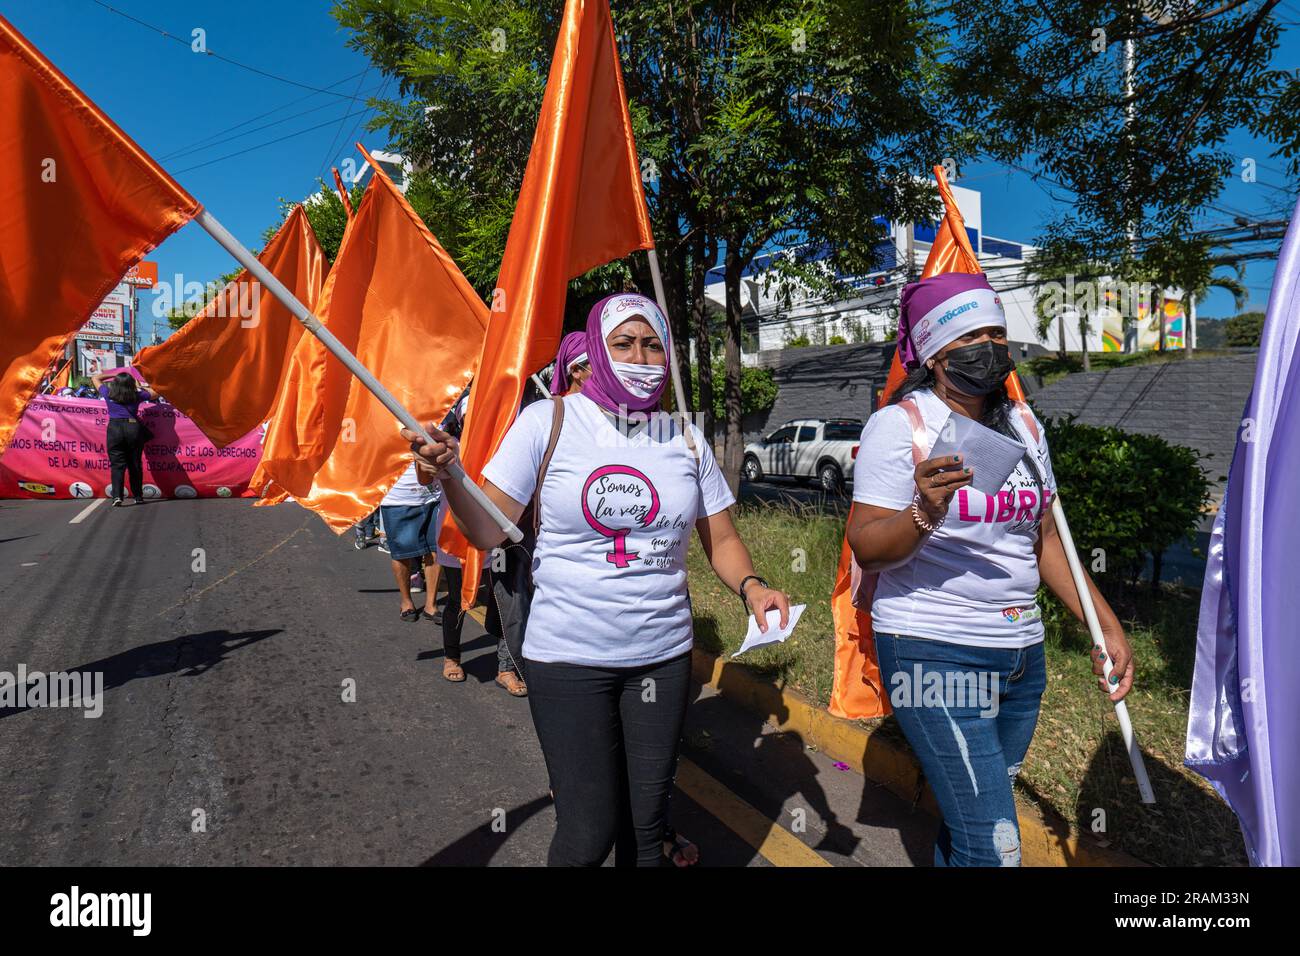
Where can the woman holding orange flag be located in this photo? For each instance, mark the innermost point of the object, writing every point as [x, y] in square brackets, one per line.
[609, 634]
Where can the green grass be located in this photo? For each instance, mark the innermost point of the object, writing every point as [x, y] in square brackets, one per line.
[1076, 766]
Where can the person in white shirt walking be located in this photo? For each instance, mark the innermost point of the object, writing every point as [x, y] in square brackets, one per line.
[618, 488]
[409, 512]
[958, 629]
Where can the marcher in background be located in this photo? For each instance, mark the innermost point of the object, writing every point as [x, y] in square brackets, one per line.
[618, 498]
[507, 597]
[366, 531]
[410, 512]
[126, 433]
[955, 602]
[571, 365]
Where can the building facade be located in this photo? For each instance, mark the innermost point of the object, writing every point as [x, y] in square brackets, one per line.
[869, 313]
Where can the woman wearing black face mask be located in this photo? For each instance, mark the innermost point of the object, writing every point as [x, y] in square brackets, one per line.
[958, 631]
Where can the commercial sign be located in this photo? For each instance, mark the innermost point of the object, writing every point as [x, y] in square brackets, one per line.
[142, 274]
[106, 322]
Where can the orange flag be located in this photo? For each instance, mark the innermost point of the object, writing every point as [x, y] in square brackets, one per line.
[858, 690]
[79, 203]
[398, 302]
[581, 205]
[223, 368]
[343, 194]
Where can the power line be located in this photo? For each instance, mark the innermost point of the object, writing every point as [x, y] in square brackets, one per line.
[197, 144]
[221, 139]
[333, 139]
[212, 53]
[269, 142]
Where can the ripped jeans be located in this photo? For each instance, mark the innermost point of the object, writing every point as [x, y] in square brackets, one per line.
[969, 714]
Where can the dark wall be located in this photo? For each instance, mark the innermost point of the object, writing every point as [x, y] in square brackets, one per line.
[1197, 403]
[826, 381]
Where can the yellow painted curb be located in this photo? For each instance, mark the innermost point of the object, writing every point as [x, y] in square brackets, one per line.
[772, 842]
[1043, 841]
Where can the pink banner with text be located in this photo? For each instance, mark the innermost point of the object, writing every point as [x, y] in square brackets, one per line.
[58, 452]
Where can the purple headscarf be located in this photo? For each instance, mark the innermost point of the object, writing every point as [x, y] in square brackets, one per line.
[572, 346]
[942, 308]
[603, 386]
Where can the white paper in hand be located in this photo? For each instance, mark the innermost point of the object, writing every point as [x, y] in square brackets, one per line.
[993, 455]
[775, 633]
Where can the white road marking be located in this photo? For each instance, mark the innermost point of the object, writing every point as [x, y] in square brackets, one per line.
[81, 515]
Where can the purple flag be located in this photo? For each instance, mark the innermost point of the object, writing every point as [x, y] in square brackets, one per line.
[1243, 727]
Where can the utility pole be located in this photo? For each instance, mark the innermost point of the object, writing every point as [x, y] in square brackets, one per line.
[1130, 117]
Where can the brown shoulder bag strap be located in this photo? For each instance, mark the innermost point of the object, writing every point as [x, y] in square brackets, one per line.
[557, 422]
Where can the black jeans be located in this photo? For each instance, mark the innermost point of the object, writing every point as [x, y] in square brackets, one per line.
[511, 596]
[453, 618]
[610, 738]
[125, 449]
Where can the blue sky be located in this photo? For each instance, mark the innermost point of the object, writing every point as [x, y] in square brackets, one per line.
[172, 101]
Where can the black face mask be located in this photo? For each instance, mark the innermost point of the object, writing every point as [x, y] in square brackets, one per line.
[979, 369]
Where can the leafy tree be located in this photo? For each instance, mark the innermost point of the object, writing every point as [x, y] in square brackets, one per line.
[1244, 330]
[178, 317]
[325, 213]
[1107, 475]
[1139, 152]
[757, 128]
[758, 389]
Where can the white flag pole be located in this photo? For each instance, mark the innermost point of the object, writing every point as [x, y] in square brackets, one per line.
[1094, 628]
[339, 351]
[679, 391]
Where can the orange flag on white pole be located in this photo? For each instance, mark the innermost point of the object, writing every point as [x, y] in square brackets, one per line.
[224, 367]
[79, 203]
[397, 301]
[581, 205]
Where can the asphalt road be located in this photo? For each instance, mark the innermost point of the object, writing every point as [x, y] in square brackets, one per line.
[227, 636]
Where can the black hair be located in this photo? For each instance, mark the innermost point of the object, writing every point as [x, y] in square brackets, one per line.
[122, 389]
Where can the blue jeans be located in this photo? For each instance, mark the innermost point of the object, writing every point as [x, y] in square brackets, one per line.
[969, 714]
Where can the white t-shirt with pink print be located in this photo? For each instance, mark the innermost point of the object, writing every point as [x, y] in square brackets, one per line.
[976, 579]
[617, 514]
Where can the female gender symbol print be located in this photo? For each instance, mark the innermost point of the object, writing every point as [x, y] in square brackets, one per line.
[616, 499]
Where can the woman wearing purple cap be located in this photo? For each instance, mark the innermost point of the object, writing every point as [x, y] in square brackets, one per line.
[958, 629]
[618, 485]
[571, 365]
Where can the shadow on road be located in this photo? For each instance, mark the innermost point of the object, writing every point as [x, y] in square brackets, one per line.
[477, 847]
[778, 759]
[189, 655]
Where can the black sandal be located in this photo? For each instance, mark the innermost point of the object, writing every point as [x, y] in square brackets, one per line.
[411, 616]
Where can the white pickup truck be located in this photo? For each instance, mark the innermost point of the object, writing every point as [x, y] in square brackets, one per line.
[809, 448]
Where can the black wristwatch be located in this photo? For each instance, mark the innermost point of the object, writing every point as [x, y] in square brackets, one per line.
[745, 580]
